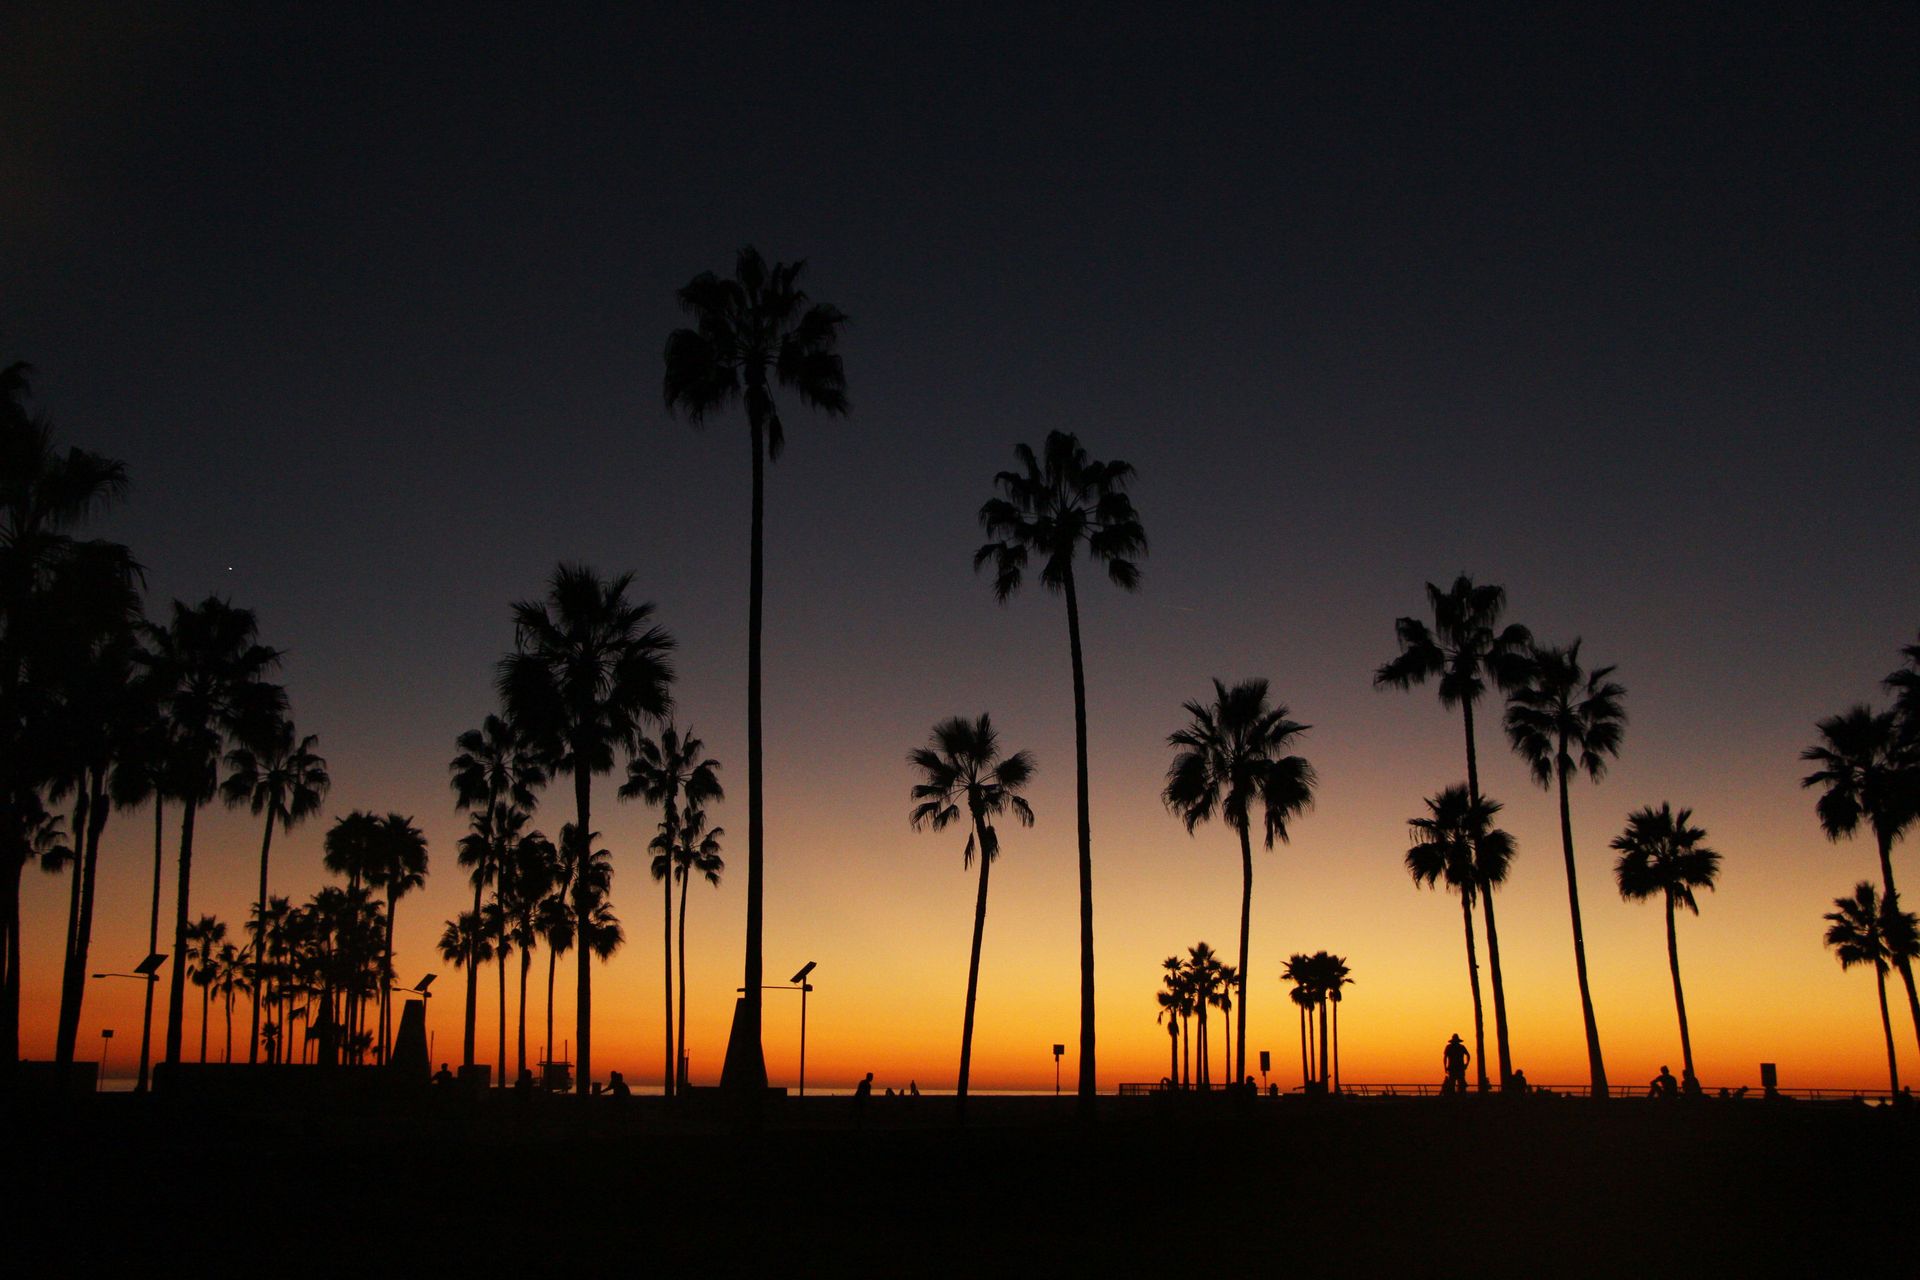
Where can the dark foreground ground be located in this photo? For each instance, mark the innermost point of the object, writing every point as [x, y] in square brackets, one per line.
[503, 1186]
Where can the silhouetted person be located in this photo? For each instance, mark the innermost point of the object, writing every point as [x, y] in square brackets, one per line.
[1689, 1083]
[889, 1091]
[1518, 1083]
[1455, 1058]
[1663, 1085]
[443, 1078]
[913, 1086]
[617, 1086]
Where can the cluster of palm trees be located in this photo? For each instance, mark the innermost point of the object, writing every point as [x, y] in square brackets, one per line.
[1188, 988]
[1318, 981]
[1868, 772]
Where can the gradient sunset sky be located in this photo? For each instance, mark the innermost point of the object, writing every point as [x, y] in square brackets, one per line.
[1615, 311]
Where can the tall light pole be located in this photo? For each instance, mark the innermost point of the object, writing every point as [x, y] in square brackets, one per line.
[805, 986]
[106, 1038]
[147, 971]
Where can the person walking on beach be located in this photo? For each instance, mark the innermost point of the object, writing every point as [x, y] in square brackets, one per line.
[1454, 1057]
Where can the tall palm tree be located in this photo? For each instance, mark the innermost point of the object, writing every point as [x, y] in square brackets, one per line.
[211, 670]
[139, 776]
[1169, 1002]
[275, 774]
[465, 942]
[696, 852]
[1058, 500]
[1867, 929]
[588, 672]
[527, 883]
[496, 767]
[485, 851]
[1223, 1001]
[669, 771]
[205, 937]
[1457, 844]
[751, 334]
[1870, 772]
[1662, 853]
[397, 865]
[961, 768]
[1230, 758]
[1302, 996]
[1465, 647]
[1561, 718]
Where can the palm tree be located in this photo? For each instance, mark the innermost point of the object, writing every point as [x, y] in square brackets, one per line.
[204, 939]
[1662, 853]
[210, 669]
[1204, 980]
[1866, 929]
[1230, 758]
[1562, 718]
[398, 865]
[1169, 1001]
[1059, 499]
[496, 767]
[1869, 771]
[230, 975]
[485, 851]
[669, 771]
[1464, 647]
[1177, 998]
[588, 671]
[697, 852]
[750, 334]
[961, 765]
[1456, 843]
[1223, 1001]
[465, 943]
[1334, 979]
[1302, 997]
[527, 883]
[275, 774]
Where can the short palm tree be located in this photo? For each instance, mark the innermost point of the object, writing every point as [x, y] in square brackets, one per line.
[209, 670]
[205, 937]
[961, 771]
[528, 884]
[1867, 929]
[1205, 977]
[1464, 648]
[230, 975]
[696, 853]
[1869, 770]
[484, 851]
[398, 865]
[1662, 853]
[1177, 990]
[465, 942]
[588, 672]
[1058, 500]
[1563, 718]
[1231, 758]
[670, 771]
[276, 774]
[1453, 844]
[751, 334]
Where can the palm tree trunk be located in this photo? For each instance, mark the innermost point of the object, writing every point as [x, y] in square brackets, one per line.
[1323, 1041]
[582, 908]
[177, 980]
[63, 1045]
[153, 941]
[500, 962]
[1088, 1085]
[1336, 1046]
[206, 1016]
[1501, 1043]
[667, 1079]
[1203, 1075]
[552, 956]
[973, 959]
[1306, 1062]
[266, 847]
[526, 963]
[10, 957]
[1596, 1068]
[1473, 975]
[386, 980]
[679, 1068]
[745, 1071]
[1679, 996]
[1173, 1049]
[1886, 1029]
[1246, 917]
[1226, 1029]
[1902, 962]
[473, 975]
[227, 1000]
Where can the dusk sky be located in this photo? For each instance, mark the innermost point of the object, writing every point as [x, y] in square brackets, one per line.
[1616, 312]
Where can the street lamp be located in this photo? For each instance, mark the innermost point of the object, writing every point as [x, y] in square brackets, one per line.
[800, 984]
[1057, 1051]
[106, 1038]
[147, 971]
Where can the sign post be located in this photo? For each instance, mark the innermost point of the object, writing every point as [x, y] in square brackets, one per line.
[1057, 1051]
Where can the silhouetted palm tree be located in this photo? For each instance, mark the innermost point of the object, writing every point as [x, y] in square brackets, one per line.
[1457, 843]
[1169, 1002]
[961, 768]
[528, 882]
[230, 975]
[205, 937]
[588, 672]
[1303, 971]
[1177, 987]
[496, 766]
[140, 775]
[1662, 853]
[465, 943]
[1325, 975]
[275, 774]
[670, 771]
[210, 667]
[1464, 648]
[1230, 758]
[1223, 1001]
[484, 851]
[1869, 772]
[751, 334]
[1562, 718]
[697, 852]
[1865, 929]
[1059, 500]
[1302, 997]
[397, 865]
[1204, 979]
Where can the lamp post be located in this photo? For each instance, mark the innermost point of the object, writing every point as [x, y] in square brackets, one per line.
[799, 983]
[106, 1038]
[147, 971]
[1058, 1049]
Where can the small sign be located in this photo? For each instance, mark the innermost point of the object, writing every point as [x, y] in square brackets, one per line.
[1059, 1049]
[106, 1033]
[1266, 1062]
